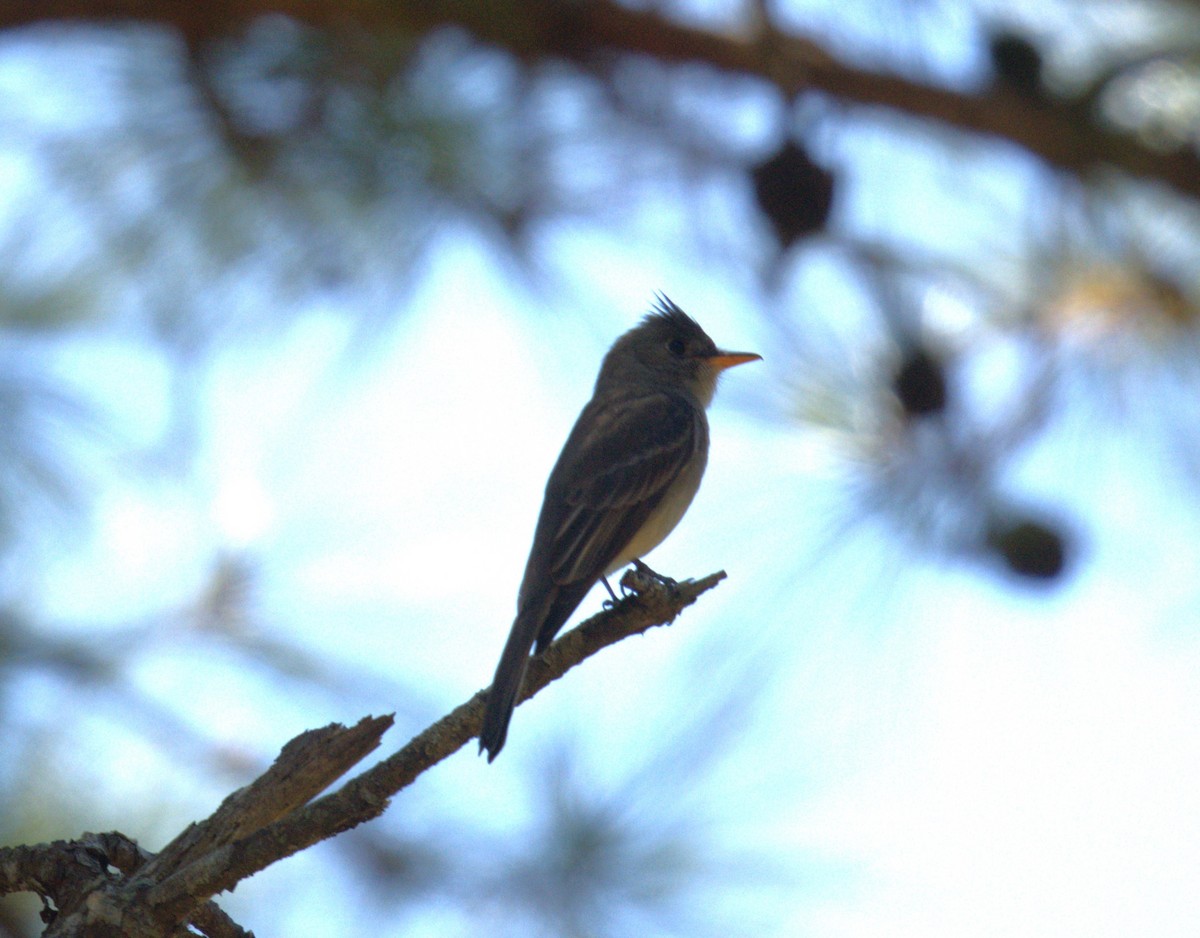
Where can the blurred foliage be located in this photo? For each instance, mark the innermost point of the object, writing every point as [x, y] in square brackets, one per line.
[794, 194]
[184, 196]
[1017, 63]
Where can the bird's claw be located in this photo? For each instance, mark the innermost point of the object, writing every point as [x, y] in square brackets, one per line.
[639, 578]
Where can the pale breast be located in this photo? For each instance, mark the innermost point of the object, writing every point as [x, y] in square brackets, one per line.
[666, 514]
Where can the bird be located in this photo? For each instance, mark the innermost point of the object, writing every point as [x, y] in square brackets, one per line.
[625, 477]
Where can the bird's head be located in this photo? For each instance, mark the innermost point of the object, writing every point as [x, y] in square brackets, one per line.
[669, 347]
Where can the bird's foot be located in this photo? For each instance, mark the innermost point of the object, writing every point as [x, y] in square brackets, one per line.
[610, 603]
[640, 577]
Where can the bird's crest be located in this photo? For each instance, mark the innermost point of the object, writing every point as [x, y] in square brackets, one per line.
[667, 312]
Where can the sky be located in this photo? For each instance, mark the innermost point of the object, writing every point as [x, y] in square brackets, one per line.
[923, 743]
[940, 747]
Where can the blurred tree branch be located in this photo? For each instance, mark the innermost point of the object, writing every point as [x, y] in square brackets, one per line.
[105, 885]
[1065, 134]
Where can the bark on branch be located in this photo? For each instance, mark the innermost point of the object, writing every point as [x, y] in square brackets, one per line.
[105, 885]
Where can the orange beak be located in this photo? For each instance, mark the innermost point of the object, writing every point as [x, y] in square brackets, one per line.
[723, 360]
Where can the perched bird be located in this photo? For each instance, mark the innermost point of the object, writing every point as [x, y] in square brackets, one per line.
[626, 475]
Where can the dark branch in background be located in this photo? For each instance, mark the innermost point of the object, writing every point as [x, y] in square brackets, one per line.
[1061, 133]
[105, 885]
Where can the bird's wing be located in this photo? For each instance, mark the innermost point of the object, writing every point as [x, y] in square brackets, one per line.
[622, 458]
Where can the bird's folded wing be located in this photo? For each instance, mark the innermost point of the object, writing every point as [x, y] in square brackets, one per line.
[616, 475]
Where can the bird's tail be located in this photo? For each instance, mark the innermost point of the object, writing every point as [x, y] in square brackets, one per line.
[537, 620]
[510, 673]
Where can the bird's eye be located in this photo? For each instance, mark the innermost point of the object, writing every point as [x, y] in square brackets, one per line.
[676, 347]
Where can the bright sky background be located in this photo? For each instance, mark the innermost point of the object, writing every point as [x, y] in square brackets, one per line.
[930, 748]
[946, 752]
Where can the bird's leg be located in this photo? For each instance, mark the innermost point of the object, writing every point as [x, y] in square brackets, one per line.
[609, 603]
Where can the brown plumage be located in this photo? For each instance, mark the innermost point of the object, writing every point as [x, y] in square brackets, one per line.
[626, 475]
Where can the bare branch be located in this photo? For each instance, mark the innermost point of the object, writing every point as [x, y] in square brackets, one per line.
[367, 795]
[106, 885]
[306, 767]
